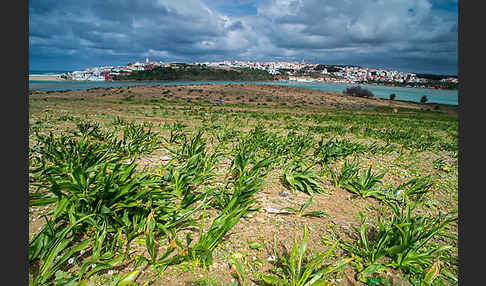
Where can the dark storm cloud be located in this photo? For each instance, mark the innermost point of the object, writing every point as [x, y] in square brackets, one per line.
[406, 34]
[131, 28]
[364, 31]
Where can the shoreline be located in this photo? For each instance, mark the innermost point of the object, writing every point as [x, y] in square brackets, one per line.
[56, 78]
[295, 81]
[45, 78]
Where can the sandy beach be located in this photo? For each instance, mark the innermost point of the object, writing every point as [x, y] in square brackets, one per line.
[49, 77]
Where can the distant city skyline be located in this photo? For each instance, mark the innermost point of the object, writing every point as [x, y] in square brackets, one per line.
[409, 36]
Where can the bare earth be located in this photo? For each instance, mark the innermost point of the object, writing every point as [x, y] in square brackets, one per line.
[55, 78]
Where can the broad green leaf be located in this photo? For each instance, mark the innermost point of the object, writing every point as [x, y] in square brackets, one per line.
[127, 278]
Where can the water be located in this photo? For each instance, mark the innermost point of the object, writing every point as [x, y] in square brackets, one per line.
[402, 93]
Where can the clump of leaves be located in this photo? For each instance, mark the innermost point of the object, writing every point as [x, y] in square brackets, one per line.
[176, 132]
[297, 269]
[298, 175]
[403, 238]
[55, 156]
[248, 179]
[364, 185]
[415, 189]
[440, 164]
[300, 212]
[93, 129]
[136, 139]
[348, 170]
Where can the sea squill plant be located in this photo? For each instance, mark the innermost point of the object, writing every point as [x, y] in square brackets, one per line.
[348, 171]
[298, 175]
[364, 185]
[297, 269]
[404, 238]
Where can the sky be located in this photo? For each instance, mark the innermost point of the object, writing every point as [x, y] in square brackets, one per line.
[418, 36]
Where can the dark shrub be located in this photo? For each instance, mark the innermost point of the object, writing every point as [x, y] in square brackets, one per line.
[358, 91]
[423, 99]
[392, 96]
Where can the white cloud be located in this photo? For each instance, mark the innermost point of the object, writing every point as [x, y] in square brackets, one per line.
[156, 53]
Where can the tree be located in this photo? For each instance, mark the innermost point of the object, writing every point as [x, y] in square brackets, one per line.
[358, 91]
[392, 96]
[423, 99]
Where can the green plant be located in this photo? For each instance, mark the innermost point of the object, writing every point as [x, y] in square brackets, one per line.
[247, 179]
[440, 164]
[246, 182]
[119, 205]
[55, 156]
[119, 121]
[136, 140]
[370, 247]
[121, 280]
[347, 172]
[403, 238]
[176, 132]
[410, 234]
[415, 189]
[190, 174]
[201, 253]
[189, 148]
[335, 149]
[92, 129]
[240, 270]
[364, 184]
[301, 210]
[53, 248]
[297, 144]
[300, 177]
[296, 269]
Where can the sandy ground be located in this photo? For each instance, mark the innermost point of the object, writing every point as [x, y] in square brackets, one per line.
[44, 78]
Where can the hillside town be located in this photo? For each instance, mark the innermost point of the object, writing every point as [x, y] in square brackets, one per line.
[291, 71]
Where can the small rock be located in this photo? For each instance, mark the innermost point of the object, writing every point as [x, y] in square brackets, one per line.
[399, 192]
[284, 193]
[272, 210]
[165, 158]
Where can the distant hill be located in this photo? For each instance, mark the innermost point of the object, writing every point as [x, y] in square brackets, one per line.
[434, 76]
[197, 73]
